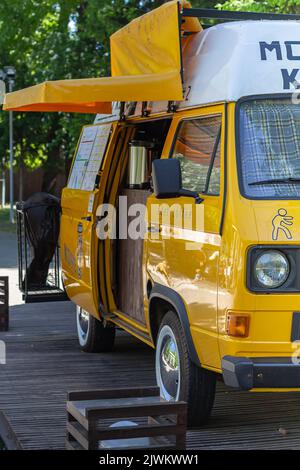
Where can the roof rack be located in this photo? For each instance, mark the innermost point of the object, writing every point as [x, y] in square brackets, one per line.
[235, 15]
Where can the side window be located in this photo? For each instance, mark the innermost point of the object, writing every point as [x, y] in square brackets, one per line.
[197, 147]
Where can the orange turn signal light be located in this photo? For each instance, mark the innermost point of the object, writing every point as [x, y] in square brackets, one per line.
[237, 325]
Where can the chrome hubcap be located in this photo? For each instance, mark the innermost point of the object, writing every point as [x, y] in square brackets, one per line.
[83, 323]
[168, 365]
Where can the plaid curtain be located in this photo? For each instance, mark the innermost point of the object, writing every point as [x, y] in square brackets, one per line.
[270, 146]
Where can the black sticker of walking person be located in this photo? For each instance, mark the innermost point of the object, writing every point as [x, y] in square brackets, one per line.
[281, 221]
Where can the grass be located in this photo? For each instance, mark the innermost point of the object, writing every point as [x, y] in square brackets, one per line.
[5, 225]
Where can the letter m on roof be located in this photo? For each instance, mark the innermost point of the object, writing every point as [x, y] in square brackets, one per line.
[274, 45]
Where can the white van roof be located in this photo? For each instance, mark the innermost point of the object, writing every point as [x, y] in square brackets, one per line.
[237, 59]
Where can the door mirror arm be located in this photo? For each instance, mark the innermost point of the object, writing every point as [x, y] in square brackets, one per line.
[188, 193]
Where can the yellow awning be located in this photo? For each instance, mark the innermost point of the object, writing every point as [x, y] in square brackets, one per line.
[146, 66]
[94, 95]
[151, 42]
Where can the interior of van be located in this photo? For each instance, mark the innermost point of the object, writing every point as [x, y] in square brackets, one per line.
[144, 143]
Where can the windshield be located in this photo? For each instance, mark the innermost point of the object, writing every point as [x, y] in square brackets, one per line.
[270, 148]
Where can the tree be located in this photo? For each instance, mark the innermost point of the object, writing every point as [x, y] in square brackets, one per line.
[26, 27]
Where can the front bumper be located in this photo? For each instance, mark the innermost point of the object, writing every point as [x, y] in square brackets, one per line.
[261, 372]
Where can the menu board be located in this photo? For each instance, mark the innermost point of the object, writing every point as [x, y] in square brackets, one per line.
[89, 156]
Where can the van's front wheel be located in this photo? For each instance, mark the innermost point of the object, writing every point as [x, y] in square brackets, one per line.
[93, 336]
[178, 377]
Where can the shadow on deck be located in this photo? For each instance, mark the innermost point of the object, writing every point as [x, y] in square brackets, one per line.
[44, 363]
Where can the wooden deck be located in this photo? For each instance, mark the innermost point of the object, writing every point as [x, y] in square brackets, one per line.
[44, 362]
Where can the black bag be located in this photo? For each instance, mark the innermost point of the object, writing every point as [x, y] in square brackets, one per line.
[42, 224]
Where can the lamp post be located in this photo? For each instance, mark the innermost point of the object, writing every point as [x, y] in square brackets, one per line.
[9, 74]
[2, 180]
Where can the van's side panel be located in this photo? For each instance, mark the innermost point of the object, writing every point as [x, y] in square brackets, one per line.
[188, 261]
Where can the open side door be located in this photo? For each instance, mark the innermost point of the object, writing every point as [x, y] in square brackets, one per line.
[113, 172]
[80, 199]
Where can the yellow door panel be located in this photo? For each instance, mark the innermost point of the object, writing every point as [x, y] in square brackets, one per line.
[184, 244]
[78, 239]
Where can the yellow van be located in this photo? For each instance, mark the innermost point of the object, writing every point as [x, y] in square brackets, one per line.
[208, 272]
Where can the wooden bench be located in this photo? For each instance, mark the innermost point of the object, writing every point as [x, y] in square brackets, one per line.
[95, 420]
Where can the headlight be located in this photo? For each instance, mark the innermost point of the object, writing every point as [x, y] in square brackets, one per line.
[271, 269]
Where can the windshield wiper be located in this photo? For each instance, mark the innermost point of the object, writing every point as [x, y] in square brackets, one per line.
[276, 180]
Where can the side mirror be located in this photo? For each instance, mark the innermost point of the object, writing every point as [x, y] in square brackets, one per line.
[167, 181]
[166, 177]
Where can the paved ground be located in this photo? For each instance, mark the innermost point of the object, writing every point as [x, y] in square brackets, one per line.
[8, 264]
[44, 362]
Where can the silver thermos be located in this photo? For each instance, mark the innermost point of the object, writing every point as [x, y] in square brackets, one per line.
[138, 165]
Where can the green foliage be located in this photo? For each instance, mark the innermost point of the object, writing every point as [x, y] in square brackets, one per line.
[5, 226]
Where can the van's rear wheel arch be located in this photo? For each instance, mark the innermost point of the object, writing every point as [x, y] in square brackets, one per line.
[177, 374]
[178, 378]
[157, 309]
[162, 300]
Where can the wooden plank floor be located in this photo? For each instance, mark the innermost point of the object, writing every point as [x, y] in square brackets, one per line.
[44, 362]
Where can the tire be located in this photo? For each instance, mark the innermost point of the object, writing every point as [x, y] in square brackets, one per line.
[178, 377]
[93, 336]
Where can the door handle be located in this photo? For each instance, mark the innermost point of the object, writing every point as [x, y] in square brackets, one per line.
[154, 228]
[88, 218]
